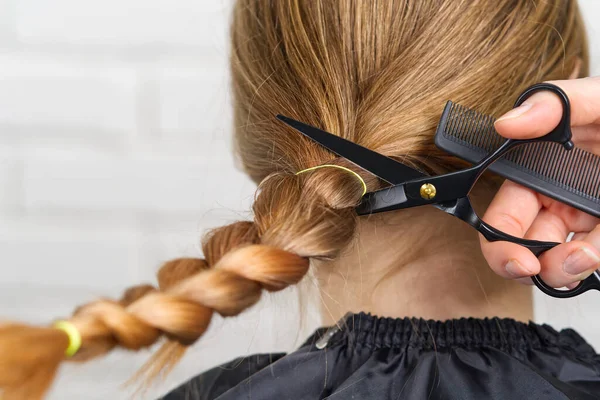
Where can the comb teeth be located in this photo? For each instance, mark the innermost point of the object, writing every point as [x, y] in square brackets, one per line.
[572, 177]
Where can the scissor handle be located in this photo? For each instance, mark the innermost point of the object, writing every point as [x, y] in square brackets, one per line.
[464, 180]
[591, 282]
[538, 248]
[492, 234]
[561, 134]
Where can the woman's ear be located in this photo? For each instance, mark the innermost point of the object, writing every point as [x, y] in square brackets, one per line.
[576, 69]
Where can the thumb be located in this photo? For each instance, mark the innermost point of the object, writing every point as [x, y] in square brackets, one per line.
[538, 115]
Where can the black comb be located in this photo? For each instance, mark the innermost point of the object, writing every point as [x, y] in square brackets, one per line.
[571, 177]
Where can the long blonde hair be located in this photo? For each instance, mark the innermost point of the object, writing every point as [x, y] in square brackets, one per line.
[375, 72]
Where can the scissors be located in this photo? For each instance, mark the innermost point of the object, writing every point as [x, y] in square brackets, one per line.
[448, 192]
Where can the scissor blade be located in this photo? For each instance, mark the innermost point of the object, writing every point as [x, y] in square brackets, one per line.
[398, 197]
[388, 169]
[388, 199]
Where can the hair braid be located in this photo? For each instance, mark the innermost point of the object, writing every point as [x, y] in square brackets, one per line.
[372, 75]
[215, 243]
[296, 218]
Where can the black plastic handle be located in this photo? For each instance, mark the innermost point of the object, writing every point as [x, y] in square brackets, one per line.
[494, 235]
[462, 208]
[538, 248]
[461, 182]
[589, 283]
[561, 134]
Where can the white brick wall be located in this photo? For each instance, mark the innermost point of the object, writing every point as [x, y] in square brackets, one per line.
[148, 183]
[114, 156]
[194, 100]
[11, 177]
[122, 23]
[38, 91]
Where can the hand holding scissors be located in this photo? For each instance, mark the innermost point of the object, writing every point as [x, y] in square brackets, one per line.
[518, 217]
[521, 212]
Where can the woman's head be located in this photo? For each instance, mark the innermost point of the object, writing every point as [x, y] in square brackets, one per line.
[377, 73]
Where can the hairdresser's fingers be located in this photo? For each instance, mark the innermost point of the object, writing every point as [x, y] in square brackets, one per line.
[512, 211]
[576, 236]
[572, 219]
[510, 260]
[541, 113]
[593, 238]
[586, 134]
[568, 262]
[587, 137]
[555, 223]
[548, 227]
[579, 235]
[589, 146]
[525, 281]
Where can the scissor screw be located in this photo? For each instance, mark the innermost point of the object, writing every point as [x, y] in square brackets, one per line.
[428, 191]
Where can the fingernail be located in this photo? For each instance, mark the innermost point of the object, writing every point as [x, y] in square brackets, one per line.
[573, 285]
[525, 281]
[515, 269]
[581, 261]
[516, 112]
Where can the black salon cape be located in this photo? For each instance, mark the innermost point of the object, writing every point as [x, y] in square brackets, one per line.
[385, 358]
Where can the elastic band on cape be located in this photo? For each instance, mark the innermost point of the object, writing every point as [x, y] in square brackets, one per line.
[362, 181]
[73, 334]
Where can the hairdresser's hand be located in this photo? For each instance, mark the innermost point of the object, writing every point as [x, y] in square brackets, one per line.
[524, 213]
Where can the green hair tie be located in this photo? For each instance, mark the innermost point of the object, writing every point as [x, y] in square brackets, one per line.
[73, 334]
[362, 181]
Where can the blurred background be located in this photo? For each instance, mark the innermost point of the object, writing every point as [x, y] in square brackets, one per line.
[115, 156]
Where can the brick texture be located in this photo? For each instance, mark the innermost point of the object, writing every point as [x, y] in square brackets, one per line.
[122, 23]
[38, 91]
[115, 156]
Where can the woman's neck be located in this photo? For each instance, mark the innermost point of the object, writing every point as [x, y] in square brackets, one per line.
[418, 263]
